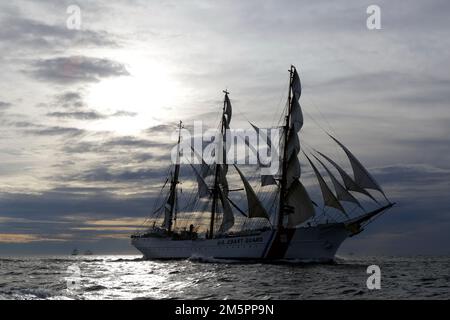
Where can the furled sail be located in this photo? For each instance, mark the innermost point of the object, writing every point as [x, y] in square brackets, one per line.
[228, 216]
[299, 200]
[341, 193]
[255, 208]
[296, 116]
[296, 123]
[296, 85]
[228, 110]
[362, 176]
[349, 183]
[293, 144]
[329, 198]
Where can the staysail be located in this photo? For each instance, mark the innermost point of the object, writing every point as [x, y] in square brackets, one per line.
[293, 170]
[349, 183]
[255, 208]
[266, 180]
[362, 176]
[205, 169]
[341, 193]
[328, 196]
[228, 216]
[203, 190]
[262, 134]
[301, 204]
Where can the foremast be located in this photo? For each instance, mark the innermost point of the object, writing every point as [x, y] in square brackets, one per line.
[294, 201]
[283, 183]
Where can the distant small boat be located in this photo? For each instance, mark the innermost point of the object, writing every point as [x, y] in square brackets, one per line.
[88, 253]
[75, 252]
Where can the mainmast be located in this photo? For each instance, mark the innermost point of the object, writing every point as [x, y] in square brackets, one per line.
[217, 171]
[284, 167]
[173, 184]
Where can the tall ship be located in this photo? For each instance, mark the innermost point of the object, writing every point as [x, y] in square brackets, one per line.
[242, 212]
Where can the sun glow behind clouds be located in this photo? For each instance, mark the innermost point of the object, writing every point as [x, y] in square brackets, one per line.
[149, 91]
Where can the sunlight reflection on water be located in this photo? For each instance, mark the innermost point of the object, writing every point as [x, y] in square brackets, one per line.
[129, 277]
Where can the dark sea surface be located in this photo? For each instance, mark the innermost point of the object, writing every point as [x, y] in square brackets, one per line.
[130, 277]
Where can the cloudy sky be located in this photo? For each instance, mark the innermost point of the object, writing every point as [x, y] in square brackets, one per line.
[86, 115]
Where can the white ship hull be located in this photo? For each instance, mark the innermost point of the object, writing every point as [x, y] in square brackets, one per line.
[319, 243]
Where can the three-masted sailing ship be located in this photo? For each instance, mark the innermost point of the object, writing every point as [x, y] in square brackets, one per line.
[275, 220]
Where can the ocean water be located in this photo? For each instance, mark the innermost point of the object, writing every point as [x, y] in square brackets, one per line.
[130, 277]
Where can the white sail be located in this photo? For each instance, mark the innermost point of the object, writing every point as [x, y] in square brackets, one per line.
[255, 152]
[341, 193]
[301, 203]
[255, 208]
[228, 216]
[362, 176]
[293, 170]
[328, 196]
[203, 190]
[349, 183]
[262, 134]
[205, 169]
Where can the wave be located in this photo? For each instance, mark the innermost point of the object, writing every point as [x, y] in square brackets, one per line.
[39, 293]
[97, 287]
[205, 259]
[127, 260]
